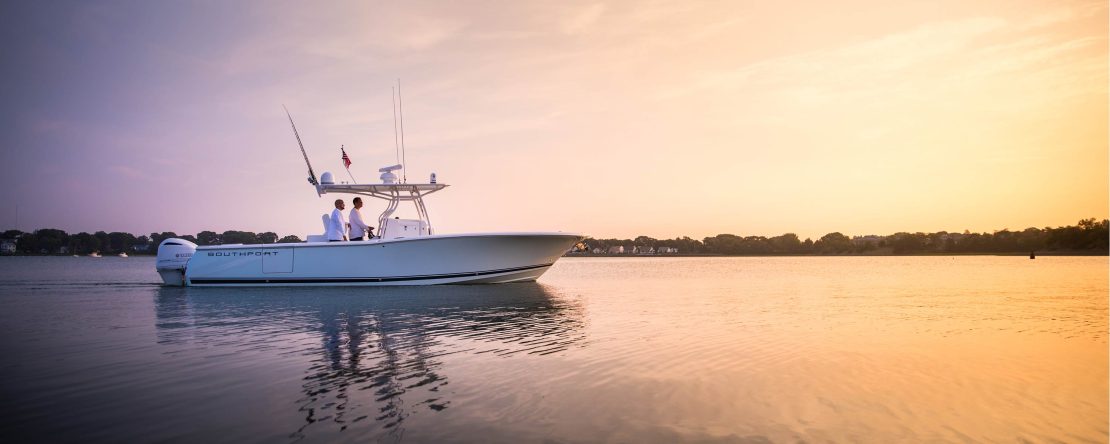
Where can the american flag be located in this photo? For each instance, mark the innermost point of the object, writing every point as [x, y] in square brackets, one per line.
[346, 160]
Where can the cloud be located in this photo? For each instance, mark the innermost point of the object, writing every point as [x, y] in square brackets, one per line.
[924, 64]
[49, 126]
[788, 95]
[882, 57]
[583, 19]
[127, 171]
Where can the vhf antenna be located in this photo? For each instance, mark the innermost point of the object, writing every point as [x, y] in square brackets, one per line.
[311, 175]
[401, 111]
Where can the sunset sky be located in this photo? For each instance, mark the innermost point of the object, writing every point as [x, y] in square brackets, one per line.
[615, 119]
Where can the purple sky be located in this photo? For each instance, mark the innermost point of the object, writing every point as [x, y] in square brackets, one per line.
[609, 118]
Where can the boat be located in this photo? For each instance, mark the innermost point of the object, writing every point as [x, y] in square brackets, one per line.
[94, 254]
[122, 255]
[404, 252]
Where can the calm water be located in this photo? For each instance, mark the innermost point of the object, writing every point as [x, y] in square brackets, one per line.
[752, 350]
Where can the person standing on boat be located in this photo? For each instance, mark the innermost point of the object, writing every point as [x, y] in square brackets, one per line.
[358, 227]
[337, 228]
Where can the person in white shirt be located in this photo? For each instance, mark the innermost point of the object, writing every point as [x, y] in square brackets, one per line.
[337, 228]
[358, 227]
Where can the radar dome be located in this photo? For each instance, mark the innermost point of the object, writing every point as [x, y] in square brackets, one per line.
[388, 177]
[326, 179]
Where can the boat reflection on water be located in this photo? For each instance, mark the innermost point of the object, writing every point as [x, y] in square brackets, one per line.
[376, 355]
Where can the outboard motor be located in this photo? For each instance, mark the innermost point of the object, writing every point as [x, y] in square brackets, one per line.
[173, 256]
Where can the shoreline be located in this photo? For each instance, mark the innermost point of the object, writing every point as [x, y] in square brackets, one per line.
[1038, 254]
[648, 256]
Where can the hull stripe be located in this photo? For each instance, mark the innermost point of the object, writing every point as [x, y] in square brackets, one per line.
[276, 280]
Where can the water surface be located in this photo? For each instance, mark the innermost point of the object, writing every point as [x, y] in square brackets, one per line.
[842, 349]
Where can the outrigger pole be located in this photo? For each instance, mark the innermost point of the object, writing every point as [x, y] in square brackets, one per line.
[396, 145]
[401, 112]
[311, 175]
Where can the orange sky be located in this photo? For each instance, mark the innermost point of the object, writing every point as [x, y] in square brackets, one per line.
[613, 119]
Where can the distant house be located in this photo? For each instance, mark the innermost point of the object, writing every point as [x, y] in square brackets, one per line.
[666, 250]
[954, 237]
[7, 246]
[860, 240]
[619, 249]
[141, 248]
[642, 249]
[598, 250]
[63, 249]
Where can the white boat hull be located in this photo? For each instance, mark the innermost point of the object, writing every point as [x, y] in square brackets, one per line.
[427, 260]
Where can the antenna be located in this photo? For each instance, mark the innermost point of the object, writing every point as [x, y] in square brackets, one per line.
[311, 175]
[401, 111]
[396, 146]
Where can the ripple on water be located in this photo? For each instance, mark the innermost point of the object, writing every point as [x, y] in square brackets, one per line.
[651, 350]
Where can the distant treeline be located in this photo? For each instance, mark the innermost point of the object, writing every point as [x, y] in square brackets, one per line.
[54, 241]
[1088, 236]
